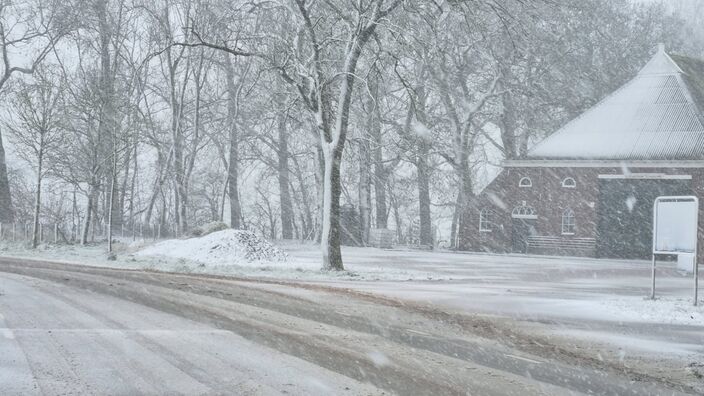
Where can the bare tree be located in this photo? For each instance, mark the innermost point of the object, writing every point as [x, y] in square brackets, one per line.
[27, 23]
[327, 90]
[38, 130]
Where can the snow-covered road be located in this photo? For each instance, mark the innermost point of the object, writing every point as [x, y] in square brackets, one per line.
[87, 330]
[56, 339]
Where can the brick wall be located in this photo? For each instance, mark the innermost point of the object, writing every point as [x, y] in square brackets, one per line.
[550, 199]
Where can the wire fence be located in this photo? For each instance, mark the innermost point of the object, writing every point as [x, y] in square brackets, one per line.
[70, 233]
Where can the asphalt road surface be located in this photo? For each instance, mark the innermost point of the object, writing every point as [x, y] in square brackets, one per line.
[68, 329]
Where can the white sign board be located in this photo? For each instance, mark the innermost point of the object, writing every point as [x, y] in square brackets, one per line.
[675, 228]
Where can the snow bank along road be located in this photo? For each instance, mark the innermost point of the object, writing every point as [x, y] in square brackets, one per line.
[67, 329]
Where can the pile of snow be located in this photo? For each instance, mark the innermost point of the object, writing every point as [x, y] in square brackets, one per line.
[226, 247]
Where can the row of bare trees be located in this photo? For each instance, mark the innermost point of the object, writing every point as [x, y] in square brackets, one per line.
[268, 114]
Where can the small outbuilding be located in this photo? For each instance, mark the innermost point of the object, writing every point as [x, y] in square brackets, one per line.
[588, 189]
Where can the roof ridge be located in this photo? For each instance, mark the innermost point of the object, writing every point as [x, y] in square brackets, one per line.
[660, 63]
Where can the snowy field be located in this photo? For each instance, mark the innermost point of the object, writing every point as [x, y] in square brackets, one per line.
[571, 300]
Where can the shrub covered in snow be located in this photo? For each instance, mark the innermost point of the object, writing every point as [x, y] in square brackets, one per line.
[209, 228]
[233, 247]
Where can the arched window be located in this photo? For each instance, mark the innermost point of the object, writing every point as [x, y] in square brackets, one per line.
[569, 183]
[525, 182]
[485, 220]
[524, 212]
[568, 223]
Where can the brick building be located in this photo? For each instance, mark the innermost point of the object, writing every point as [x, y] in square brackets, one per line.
[588, 189]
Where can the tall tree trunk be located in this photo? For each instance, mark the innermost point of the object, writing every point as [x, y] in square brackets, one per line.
[177, 92]
[90, 212]
[111, 198]
[380, 171]
[123, 189]
[365, 196]
[283, 173]
[133, 184]
[233, 155]
[6, 211]
[107, 124]
[507, 126]
[223, 196]
[463, 209]
[426, 231]
[232, 182]
[319, 182]
[455, 220]
[332, 189]
[421, 162]
[177, 206]
[307, 221]
[180, 193]
[158, 183]
[116, 208]
[74, 218]
[399, 221]
[38, 196]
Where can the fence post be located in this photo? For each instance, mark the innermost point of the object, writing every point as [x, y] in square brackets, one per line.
[56, 232]
[41, 233]
[158, 234]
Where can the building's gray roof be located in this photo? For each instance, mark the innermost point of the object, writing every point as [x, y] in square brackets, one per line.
[655, 116]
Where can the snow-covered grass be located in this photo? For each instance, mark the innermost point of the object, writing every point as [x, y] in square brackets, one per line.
[668, 310]
[229, 253]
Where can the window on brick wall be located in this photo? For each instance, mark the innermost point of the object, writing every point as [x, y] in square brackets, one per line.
[485, 220]
[568, 222]
[569, 183]
[525, 182]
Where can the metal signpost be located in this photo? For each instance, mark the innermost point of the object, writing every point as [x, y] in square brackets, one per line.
[675, 227]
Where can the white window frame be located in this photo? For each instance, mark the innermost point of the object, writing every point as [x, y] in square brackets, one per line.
[569, 227]
[569, 179]
[530, 182]
[485, 224]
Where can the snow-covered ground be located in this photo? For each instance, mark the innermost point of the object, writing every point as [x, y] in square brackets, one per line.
[218, 254]
[580, 300]
[598, 307]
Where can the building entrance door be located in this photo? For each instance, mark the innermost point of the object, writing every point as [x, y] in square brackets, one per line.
[522, 230]
[524, 219]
